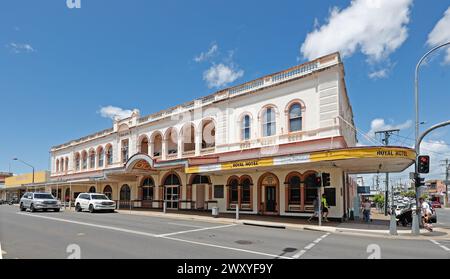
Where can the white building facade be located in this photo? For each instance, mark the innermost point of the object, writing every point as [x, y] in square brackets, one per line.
[257, 146]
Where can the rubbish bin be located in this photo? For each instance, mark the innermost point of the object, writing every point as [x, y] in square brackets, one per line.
[215, 212]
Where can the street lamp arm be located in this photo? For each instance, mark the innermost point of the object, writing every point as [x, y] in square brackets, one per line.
[416, 86]
[424, 134]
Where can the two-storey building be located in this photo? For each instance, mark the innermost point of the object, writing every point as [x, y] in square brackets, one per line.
[257, 146]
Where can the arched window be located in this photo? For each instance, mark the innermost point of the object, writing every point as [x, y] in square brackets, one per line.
[172, 179]
[157, 145]
[92, 189]
[101, 157]
[108, 191]
[310, 190]
[125, 150]
[67, 164]
[200, 179]
[84, 160]
[144, 145]
[62, 165]
[67, 195]
[147, 189]
[125, 193]
[57, 165]
[269, 122]
[109, 155]
[246, 190]
[295, 118]
[92, 159]
[245, 127]
[188, 134]
[77, 161]
[208, 134]
[234, 194]
[294, 192]
[172, 141]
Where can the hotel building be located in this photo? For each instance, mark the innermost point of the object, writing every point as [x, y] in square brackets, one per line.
[257, 147]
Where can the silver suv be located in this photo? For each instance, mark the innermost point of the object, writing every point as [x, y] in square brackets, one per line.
[39, 201]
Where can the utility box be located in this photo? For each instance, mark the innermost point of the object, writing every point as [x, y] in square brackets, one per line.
[215, 212]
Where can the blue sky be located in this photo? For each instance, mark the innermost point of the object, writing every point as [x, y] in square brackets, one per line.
[61, 66]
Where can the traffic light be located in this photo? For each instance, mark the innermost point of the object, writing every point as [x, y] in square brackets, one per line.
[423, 164]
[419, 181]
[318, 181]
[326, 179]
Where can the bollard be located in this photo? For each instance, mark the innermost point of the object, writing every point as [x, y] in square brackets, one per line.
[237, 212]
[393, 225]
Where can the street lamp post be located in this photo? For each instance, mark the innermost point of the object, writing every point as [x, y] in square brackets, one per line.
[16, 159]
[415, 225]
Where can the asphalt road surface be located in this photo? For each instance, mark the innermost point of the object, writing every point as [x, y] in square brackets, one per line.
[25, 235]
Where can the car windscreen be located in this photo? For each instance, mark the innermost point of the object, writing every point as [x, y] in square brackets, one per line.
[43, 196]
[99, 197]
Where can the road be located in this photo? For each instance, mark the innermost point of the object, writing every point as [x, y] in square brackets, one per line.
[121, 236]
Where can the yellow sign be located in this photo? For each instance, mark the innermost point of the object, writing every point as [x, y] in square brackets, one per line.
[364, 152]
[39, 177]
[248, 164]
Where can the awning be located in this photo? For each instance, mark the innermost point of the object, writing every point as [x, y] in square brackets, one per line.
[352, 160]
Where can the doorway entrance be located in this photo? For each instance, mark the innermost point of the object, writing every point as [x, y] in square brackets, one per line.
[268, 194]
[172, 197]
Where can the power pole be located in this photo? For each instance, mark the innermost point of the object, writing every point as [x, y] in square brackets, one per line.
[387, 134]
[447, 169]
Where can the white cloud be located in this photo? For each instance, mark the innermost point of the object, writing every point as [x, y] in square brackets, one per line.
[19, 48]
[383, 73]
[379, 124]
[374, 27]
[207, 55]
[441, 34]
[221, 75]
[115, 113]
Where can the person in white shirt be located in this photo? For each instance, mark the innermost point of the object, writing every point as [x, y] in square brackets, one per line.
[426, 214]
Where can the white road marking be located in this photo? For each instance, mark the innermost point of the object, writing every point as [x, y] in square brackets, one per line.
[440, 245]
[163, 236]
[310, 246]
[1, 252]
[185, 225]
[196, 230]
[90, 224]
[228, 248]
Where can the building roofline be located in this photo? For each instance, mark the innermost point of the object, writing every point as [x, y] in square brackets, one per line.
[293, 73]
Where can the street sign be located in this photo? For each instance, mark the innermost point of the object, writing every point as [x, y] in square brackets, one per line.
[363, 189]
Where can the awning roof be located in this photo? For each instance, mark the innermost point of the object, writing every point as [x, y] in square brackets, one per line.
[352, 160]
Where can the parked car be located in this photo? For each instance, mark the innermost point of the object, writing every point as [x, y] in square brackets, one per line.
[436, 204]
[39, 201]
[94, 202]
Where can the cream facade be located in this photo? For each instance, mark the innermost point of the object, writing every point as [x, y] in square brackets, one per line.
[257, 146]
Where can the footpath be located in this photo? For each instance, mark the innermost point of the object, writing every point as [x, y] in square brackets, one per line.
[378, 227]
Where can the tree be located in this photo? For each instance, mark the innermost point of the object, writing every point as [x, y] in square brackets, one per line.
[409, 194]
[378, 199]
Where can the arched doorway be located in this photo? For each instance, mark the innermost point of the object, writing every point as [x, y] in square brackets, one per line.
[67, 195]
[310, 190]
[125, 196]
[172, 185]
[92, 189]
[269, 194]
[147, 193]
[108, 191]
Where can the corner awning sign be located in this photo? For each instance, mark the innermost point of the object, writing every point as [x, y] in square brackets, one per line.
[397, 158]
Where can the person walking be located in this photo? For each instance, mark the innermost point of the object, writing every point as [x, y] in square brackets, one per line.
[366, 206]
[426, 214]
[324, 208]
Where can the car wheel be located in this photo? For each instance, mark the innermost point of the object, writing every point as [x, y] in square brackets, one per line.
[22, 208]
[78, 208]
[91, 208]
[32, 209]
[112, 211]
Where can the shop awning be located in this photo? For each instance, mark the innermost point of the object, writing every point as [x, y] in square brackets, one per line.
[352, 160]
